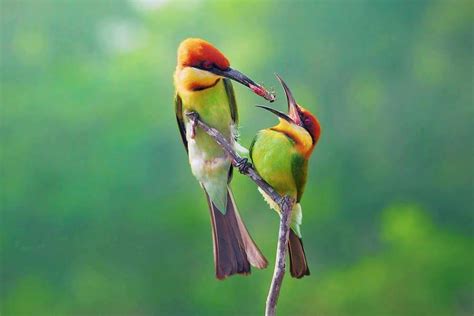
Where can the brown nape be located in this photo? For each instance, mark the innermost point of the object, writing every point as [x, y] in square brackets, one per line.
[298, 264]
[233, 247]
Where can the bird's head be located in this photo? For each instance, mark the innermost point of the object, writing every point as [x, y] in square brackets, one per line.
[298, 121]
[195, 52]
[200, 65]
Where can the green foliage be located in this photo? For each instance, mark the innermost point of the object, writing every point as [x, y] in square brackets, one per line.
[100, 213]
[421, 270]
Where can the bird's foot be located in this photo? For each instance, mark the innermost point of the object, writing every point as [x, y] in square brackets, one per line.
[243, 165]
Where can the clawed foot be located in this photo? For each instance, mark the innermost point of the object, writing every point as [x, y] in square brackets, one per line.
[243, 165]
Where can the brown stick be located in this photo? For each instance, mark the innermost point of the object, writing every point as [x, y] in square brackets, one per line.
[280, 261]
[285, 203]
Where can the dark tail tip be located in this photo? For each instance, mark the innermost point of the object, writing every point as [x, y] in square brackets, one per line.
[230, 256]
[229, 252]
[298, 263]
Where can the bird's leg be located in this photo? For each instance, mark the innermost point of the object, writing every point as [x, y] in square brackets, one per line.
[243, 165]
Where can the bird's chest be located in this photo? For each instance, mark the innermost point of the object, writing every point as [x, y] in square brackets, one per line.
[207, 159]
[213, 108]
[205, 155]
[273, 157]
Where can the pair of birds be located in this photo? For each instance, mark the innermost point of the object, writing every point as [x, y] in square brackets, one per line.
[280, 154]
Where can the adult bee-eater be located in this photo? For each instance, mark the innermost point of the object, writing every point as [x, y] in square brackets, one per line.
[280, 155]
[202, 85]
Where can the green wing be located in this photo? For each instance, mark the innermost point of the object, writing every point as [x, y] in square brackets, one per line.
[229, 90]
[299, 168]
[252, 144]
[178, 106]
[234, 114]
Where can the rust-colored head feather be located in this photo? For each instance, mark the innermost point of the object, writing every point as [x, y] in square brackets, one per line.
[198, 52]
[310, 123]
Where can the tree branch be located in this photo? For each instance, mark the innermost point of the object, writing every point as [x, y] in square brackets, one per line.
[284, 202]
[280, 261]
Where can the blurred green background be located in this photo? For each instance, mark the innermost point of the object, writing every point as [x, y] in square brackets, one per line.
[100, 214]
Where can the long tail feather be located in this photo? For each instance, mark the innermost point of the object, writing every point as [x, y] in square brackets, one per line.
[254, 254]
[298, 264]
[234, 249]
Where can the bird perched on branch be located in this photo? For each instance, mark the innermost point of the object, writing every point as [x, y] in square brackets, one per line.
[280, 155]
[202, 82]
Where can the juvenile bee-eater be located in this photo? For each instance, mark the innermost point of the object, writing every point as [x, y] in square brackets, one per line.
[280, 155]
[202, 85]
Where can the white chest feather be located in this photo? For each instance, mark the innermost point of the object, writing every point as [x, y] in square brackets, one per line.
[206, 165]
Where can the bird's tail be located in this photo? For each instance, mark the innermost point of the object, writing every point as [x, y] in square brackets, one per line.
[234, 249]
[298, 264]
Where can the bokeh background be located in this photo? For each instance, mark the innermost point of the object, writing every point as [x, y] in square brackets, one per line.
[100, 214]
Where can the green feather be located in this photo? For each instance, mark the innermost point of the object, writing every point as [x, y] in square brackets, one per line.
[272, 155]
[276, 159]
[210, 165]
[300, 171]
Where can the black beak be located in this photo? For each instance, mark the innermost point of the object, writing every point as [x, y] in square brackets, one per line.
[242, 79]
[277, 113]
[293, 107]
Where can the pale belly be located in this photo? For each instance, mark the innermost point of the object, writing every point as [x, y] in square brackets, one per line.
[206, 165]
[209, 163]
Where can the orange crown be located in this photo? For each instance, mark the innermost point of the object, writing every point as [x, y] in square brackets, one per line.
[195, 52]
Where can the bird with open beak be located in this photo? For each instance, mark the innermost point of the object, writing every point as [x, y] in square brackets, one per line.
[280, 155]
[203, 85]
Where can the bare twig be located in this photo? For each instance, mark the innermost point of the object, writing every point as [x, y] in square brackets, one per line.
[284, 202]
[280, 260]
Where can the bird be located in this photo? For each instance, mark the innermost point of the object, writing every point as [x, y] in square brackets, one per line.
[280, 155]
[203, 85]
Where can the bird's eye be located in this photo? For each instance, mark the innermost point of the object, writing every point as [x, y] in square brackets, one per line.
[207, 65]
[307, 121]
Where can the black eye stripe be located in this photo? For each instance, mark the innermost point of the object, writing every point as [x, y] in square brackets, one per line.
[207, 64]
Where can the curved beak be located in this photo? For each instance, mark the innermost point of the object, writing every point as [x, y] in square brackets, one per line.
[242, 79]
[277, 113]
[293, 107]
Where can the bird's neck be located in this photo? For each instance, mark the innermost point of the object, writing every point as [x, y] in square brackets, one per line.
[189, 80]
[301, 137]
